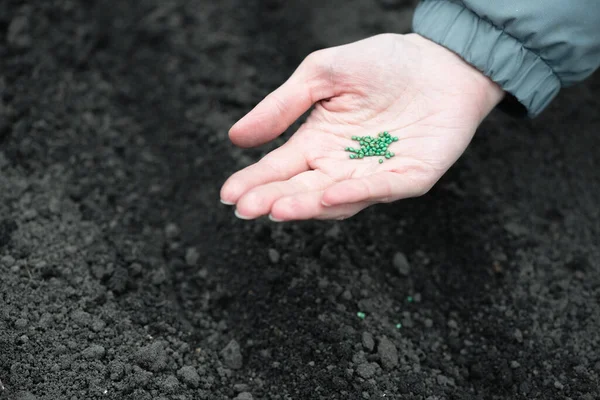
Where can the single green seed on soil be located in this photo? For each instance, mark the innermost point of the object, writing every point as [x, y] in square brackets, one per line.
[398, 325]
[361, 315]
[409, 299]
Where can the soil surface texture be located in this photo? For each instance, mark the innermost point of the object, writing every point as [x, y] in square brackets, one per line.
[123, 277]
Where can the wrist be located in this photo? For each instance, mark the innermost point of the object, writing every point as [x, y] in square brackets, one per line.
[486, 93]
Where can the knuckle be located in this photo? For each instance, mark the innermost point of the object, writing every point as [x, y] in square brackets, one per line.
[292, 206]
[319, 72]
[315, 59]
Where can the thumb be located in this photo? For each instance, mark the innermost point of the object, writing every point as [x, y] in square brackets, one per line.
[310, 83]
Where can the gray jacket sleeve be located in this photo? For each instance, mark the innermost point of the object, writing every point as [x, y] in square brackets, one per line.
[531, 48]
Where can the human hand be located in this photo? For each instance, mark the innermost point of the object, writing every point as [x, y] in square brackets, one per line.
[419, 91]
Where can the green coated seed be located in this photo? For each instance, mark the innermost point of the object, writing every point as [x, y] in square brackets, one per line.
[372, 146]
[361, 315]
[380, 161]
[398, 325]
[409, 299]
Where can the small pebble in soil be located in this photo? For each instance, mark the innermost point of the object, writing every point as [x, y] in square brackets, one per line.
[171, 231]
[401, 264]
[18, 33]
[367, 341]
[388, 354]
[116, 370]
[240, 387]
[442, 380]
[559, 385]
[518, 335]
[81, 318]
[136, 269]
[153, 356]
[191, 257]
[189, 376]
[95, 352]
[366, 370]
[273, 256]
[244, 396]
[232, 355]
[170, 384]
[8, 261]
[21, 323]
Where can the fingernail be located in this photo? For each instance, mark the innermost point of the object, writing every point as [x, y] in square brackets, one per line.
[272, 218]
[227, 203]
[237, 214]
[325, 204]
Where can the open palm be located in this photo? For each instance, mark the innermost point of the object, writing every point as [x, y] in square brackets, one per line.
[404, 84]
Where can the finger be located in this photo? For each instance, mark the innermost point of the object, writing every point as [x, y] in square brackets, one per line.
[303, 206]
[380, 187]
[273, 115]
[279, 165]
[258, 201]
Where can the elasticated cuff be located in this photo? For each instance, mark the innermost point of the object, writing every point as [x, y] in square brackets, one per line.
[501, 57]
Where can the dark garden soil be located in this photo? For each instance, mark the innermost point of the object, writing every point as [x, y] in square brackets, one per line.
[123, 277]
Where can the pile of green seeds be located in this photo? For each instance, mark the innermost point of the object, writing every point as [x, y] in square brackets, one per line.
[373, 146]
